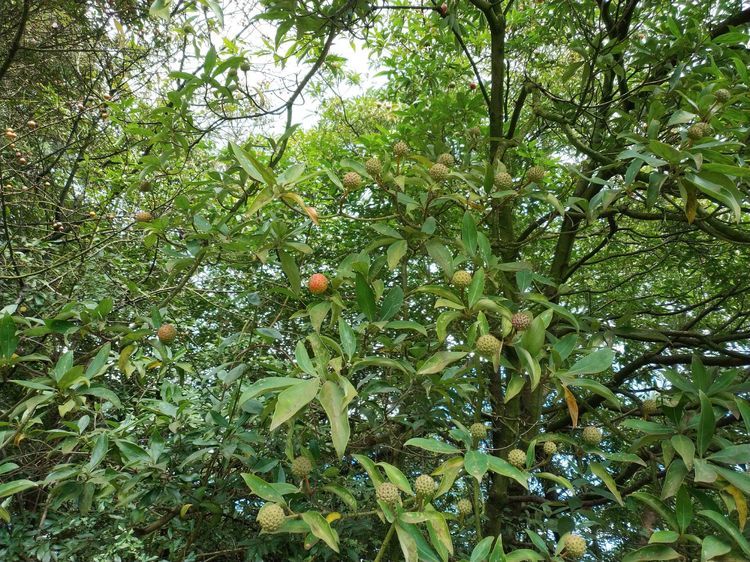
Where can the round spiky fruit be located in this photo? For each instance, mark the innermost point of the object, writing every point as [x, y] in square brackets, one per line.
[722, 95]
[535, 174]
[374, 167]
[424, 485]
[575, 546]
[592, 435]
[301, 467]
[464, 506]
[144, 216]
[549, 448]
[446, 159]
[388, 493]
[317, 284]
[352, 181]
[270, 517]
[503, 180]
[166, 333]
[517, 458]
[697, 131]
[478, 430]
[461, 279]
[521, 320]
[649, 407]
[245, 66]
[400, 149]
[487, 345]
[439, 172]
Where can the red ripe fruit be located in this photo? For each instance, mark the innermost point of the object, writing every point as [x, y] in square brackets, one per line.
[318, 283]
[472, 86]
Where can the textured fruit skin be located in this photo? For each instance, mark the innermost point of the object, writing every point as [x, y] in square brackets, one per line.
[521, 320]
[535, 174]
[166, 333]
[301, 467]
[722, 95]
[575, 546]
[698, 131]
[478, 430]
[487, 345]
[144, 216]
[352, 181]
[317, 284]
[592, 435]
[400, 149]
[270, 517]
[388, 493]
[439, 172]
[517, 458]
[461, 279]
[649, 407]
[464, 507]
[446, 159]
[374, 167]
[549, 448]
[424, 485]
[503, 180]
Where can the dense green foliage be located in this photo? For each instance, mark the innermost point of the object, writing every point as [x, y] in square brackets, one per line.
[533, 230]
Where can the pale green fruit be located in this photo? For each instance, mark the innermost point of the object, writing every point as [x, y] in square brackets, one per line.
[270, 517]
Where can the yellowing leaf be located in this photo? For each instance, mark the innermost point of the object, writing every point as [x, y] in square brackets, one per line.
[331, 517]
[740, 503]
[570, 400]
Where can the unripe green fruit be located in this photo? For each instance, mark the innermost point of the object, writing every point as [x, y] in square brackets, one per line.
[517, 458]
[697, 131]
[521, 320]
[166, 333]
[439, 172]
[464, 507]
[387, 493]
[649, 407]
[478, 430]
[301, 467]
[549, 448]
[722, 95]
[446, 159]
[487, 345]
[503, 180]
[424, 485]
[270, 517]
[352, 181]
[245, 67]
[400, 149]
[575, 546]
[592, 435]
[374, 167]
[461, 279]
[535, 174]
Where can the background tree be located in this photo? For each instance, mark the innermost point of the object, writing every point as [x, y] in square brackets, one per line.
[492, 308]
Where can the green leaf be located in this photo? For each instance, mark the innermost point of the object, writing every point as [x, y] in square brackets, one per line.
[476, 464]
[262, 489]
[440, 361]
[15, 486]
[515, 385]
[683, 509]
[658, 506]
[722, 523]
[321, 529]
[392, 303]
[252, 166]
[365, 297]
[443, 321]
[386, 362]
[482, 550]
[335, 403]
[685, 448]
[346, 496]
[601, 472]
[469, 233]
[734, 454]
[531, 365]
[504, 468]
[597, 388]
[370, 468]
[596, 362]
[555, 478]
[132, 453]
[395, 252]
[318, 314]
[292, 400]
[407, 542]
[406, 325]
[440, 255]
[97, 364]
[397, 477]
[348, 338]
[303, 359]
[432, 445]
[713, 547]
[664, 537]
[673, 479]
[8, 338]
[706, 424]
[476, 288]
[101, 446]
[652, 552]
[291, 271]
[268, 384]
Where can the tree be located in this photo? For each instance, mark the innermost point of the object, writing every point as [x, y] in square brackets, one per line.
[493, 309]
